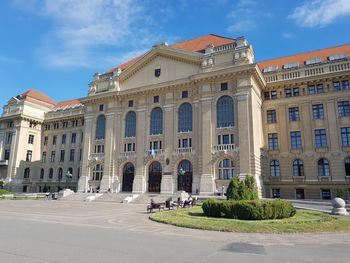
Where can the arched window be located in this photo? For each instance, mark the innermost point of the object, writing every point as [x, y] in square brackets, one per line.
[97, 172]
[42, 173]
[26, 173]
[347, 166]
[275, 168]
[50, 173]
[226, 169]
[60, 174]
[156, 121]
[298, 168]
[323, 167]
[130, 124]
[185, 118]
[224, 112]
[100, 127]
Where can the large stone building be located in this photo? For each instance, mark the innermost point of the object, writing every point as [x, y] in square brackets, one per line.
[190, 116]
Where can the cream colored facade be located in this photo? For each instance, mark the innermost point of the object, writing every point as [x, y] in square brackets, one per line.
[168, 77]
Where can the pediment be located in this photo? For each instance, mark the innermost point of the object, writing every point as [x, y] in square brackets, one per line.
[160, 65]
[12, 101]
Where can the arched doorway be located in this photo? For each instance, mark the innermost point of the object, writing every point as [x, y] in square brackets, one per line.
[128, 177]
[154, 177]
[184, 176]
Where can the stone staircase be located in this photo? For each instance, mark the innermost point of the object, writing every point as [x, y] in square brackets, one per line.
[76, 197]
[113, 197]
[146, 198]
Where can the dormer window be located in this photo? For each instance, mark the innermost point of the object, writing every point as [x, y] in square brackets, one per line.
[270, 69]
[157, 72]
[336, 57]
[313, 61]
[291, 65]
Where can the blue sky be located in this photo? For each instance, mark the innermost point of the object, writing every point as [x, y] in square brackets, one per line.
[55, 46]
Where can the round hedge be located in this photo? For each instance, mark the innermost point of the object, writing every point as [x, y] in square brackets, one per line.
[249, 210]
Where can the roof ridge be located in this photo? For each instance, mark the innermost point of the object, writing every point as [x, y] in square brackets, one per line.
[210, 34]
[305, 52]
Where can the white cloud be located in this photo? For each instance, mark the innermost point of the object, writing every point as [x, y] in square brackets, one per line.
[242, 26]
[88, 33]
[320, 13]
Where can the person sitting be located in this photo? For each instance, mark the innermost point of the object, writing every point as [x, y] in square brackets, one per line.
[188, 202]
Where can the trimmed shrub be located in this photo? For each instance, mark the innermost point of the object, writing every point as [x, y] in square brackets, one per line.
[4, 192]
[242, 189]
[249, 210]
[212, 208]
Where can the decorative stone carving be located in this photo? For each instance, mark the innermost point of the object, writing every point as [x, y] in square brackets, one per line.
[339, 207]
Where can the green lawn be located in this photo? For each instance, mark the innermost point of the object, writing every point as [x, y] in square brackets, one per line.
[303, 221]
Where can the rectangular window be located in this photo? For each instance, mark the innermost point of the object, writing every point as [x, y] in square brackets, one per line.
[184, 94]
[62, 156]
[343, 108]
[273, 95]
[131, 103]
[65, 124]
[295, 92]
[266, 95]
[46, 139]
[72, 155]
[7, 154]
[129, 147]
[54, 139]
[64, 138]
[315, 89]
[336, 86]
[317, 111]
[74, 138]
[9, 136]
[295, 139]
[31, 139]
[288, 93]
[100, 107]
[271, 116]
[53, 156]
[273, 141]
[226, 139]
[156, 99]
[345, 136]
[9, 124]
[29, 156]
[299, 194]
[223, 86]
[43, 157]
[345, 84]
[276, 193]
[319, 88]
[326, 194]
[293, 114]
[320, 138]
[99, 148]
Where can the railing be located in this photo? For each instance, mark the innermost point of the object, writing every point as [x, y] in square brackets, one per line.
[224, 147]
[154, 152]
[97, 155]
[188, 150]
[306, 71]
[127, 154]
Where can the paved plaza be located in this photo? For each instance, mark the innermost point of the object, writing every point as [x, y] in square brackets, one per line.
[61, 231]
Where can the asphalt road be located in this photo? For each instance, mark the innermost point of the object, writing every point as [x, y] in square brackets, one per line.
[56, 231]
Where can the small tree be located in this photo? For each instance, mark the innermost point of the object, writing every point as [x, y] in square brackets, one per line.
[339, 193]
[242, 189]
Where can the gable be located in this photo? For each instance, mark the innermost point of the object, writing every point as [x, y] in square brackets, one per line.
[171, 69]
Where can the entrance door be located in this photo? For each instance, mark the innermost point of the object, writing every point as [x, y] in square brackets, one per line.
[185, 176]
[128, 177]
[154, 177]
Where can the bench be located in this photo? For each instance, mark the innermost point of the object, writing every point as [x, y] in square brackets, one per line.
[153, 206]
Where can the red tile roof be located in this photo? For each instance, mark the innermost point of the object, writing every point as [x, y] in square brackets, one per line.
[196, 45]
[67, 103]
[36, 97]
[323, 54]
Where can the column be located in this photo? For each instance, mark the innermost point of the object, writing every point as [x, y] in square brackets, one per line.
[207, 184]
[108, 157]
[85, 169]
[167, 184]
[139, 185]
